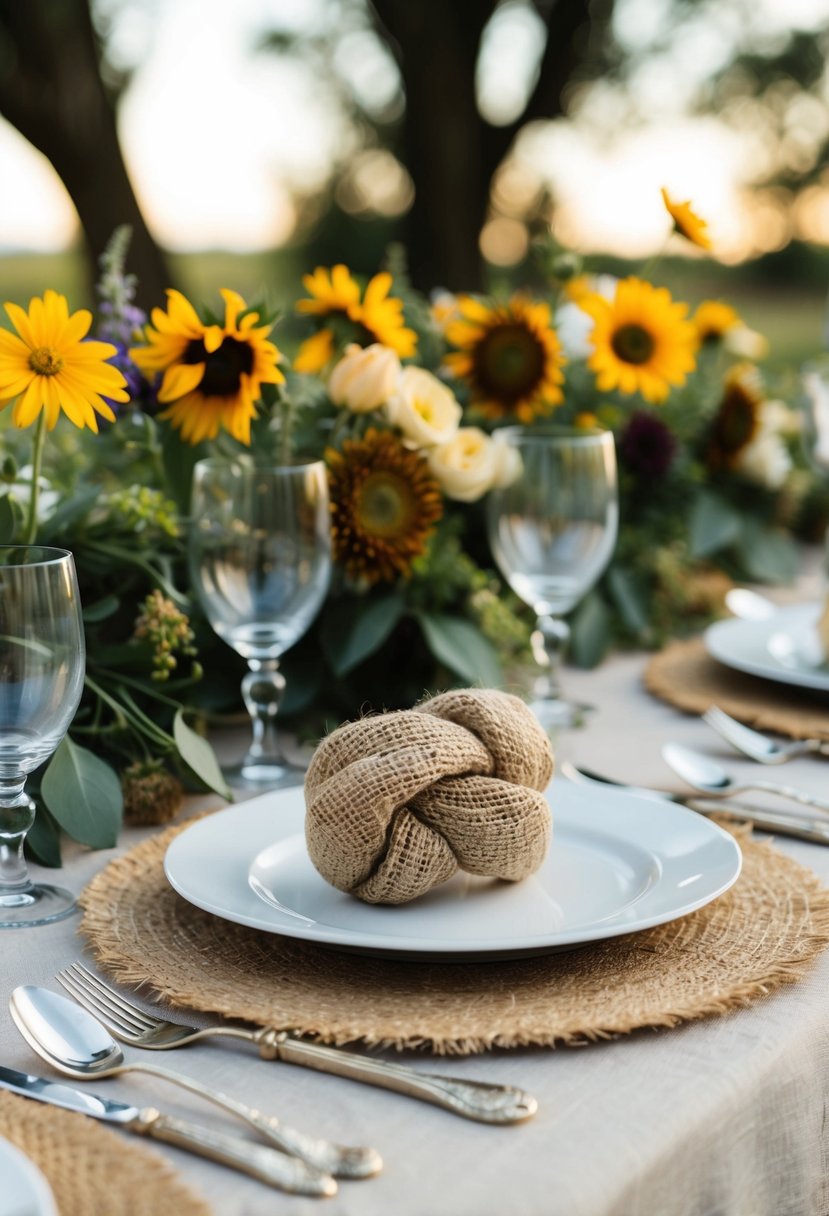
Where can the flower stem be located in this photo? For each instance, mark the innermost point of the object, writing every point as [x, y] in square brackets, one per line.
[286, 429]
[37, 460]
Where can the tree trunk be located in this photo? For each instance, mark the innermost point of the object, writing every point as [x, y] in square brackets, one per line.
[51, 90]
[451, 152]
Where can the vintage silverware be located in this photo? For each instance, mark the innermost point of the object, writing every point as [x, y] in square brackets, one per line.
[267, 1164]
[757, 746]
[705, 775]
[72, 1041]
[782, 823]
[478, 1100]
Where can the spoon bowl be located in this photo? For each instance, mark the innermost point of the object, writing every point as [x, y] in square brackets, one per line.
[76, 1044]
[704, 774]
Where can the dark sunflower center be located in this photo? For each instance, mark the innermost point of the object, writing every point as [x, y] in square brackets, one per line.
[736, 423]
[509, 362]
[385, 505]
[223, 368]
[633, 344]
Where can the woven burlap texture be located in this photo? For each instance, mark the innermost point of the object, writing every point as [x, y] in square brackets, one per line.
[91, 1169]
[684, 675]
[399, 802]
[760, 934]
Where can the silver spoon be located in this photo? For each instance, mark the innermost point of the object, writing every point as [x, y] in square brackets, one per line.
[706, 775]
[76, 1044]
[756, 745]
[749, 605]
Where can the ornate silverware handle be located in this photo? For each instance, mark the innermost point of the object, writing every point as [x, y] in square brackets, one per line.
[267, 1164]
[473, 1099]
[796, 795]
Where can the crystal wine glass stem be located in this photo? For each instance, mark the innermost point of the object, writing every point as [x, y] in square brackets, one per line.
[17, 814]
[262, 690]
[550, 643]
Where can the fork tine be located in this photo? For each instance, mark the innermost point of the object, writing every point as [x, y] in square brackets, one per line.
[119, 1029]
[112, 997]
[99, 1003]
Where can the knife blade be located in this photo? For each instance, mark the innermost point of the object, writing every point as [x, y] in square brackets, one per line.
[781, 823]
[269, 1165]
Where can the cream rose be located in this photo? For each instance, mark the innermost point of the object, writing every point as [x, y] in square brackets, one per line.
[467, 466]
[423, 408]
[364, 378]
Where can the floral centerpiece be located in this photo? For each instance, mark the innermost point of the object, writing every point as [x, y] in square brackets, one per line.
[400, 396]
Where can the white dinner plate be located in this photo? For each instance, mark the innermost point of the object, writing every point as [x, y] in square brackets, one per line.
[23, 1189]
[780, 648]
[618, 863]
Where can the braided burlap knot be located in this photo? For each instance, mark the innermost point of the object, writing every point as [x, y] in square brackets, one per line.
[398, 803]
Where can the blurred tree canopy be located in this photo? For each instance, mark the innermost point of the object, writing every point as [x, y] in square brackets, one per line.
[463, 80]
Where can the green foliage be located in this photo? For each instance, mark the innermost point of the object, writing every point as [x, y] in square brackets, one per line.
[83, 795]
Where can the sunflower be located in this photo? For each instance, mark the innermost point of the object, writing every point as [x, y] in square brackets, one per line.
[739, 419]
[212, 374]
[509, 355]
[49, 367]
[686, 222]
[376, 317]
[641, 340]
[384, 505]
[713, 320]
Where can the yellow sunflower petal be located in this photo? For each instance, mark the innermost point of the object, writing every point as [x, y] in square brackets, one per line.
[29, 405]
[179, 379]
[315, 352]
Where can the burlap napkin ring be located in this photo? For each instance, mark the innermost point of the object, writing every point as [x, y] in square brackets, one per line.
[396, 804]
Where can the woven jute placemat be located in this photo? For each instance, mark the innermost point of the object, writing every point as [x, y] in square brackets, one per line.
[92, 1169]
[685, 675]
[762, 933]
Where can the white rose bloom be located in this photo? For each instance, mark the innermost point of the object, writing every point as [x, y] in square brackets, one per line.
[508, 466]
[466, 466]
[364, 378]
[765, 460]
[745, 343]
[423, 408]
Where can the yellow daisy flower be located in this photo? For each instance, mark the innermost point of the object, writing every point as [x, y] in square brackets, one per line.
[686, 222]
[48, 366]
[713, 320]
[642, 342]
[376, 316]
[212, 374]
[509, 355]
[384, 505]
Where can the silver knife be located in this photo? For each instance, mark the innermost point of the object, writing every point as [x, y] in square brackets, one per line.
[802, 827]
[269, 1165]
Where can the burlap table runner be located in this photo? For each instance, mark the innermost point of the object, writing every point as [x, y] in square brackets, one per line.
[685, 675]
[91, 1169]
[762, 933]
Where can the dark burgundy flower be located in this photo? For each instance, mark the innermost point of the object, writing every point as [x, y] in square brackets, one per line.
[647, 446]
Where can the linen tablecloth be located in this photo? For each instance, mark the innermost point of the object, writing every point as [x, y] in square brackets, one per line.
[720, 1117]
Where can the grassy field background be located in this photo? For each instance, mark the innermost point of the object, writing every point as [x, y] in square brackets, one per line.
[784, 298]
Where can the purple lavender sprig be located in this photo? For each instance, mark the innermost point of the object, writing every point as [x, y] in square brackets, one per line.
[120, 320]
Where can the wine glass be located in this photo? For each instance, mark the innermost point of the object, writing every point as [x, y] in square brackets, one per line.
[42, 660]
[552, 530]
[260, 562]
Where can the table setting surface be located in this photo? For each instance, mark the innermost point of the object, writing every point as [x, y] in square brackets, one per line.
[722, 1114]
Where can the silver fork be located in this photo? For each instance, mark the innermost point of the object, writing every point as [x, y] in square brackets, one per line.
[757, 746]
[472, 1099]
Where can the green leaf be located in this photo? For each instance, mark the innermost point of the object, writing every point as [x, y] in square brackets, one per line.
[101, 610]
[628, 600]
[43, 839]
[84, 795]
[199, 756]
[8, 520]
[714, 524]
[462, 648]
[179, 460]
[355, 629]
[590, 631]
[768, 555]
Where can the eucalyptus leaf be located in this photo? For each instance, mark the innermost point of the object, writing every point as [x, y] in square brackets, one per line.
[462, 648]
[590, 631]
[714, 524]
[83, 793]
[358, 628]
[43, 839]
[101, 610]
[629, 600]
[767, 554]
[199, 756]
